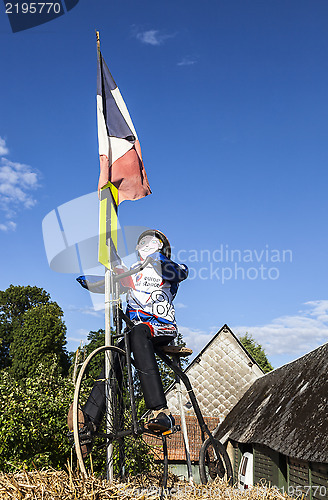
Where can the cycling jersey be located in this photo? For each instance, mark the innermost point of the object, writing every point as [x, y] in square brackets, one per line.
[151, 299]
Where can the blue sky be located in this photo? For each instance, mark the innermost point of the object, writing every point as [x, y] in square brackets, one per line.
[229, 102]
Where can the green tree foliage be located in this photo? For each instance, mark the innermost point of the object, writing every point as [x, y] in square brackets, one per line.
[256, 351]
[33, 420]
[40, 339]
[34, 395]
[13, 303]
[95, 339]
[31, 331]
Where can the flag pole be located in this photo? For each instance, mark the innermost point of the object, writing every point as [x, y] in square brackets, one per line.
[108, 280]
[108, 340]
[98, 41]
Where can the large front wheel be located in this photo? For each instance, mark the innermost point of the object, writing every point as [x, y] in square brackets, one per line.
[101, 412]
[214, 462]
[107, 442]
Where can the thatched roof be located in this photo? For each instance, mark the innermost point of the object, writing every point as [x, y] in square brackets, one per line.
[286, 410]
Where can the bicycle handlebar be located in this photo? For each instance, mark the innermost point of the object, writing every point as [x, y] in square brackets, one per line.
[117, 277]
[135, 270]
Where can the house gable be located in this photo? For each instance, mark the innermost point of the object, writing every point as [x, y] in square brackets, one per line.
[220, 374]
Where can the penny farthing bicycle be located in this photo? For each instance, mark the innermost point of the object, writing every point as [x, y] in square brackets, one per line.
[108, 384]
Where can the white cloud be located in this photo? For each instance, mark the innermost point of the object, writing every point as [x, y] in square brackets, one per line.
[3, 147]
[152, 37]
[85, 310]
[194, 338]
[319, 309]
[296, 334]
[180, 305]
[8, 226]
[293, 335]
[80, 336]
[17, 182]
[187, 61]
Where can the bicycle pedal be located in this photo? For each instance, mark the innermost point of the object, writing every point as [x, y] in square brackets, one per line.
[85, 437]
[173, 430]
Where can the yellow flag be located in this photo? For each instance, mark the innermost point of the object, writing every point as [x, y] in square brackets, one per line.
[108, 225]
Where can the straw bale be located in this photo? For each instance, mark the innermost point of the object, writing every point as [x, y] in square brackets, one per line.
[69, 485]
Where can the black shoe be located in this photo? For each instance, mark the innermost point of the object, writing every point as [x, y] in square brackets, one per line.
[161, 421]
[85, 437]
[87, 430]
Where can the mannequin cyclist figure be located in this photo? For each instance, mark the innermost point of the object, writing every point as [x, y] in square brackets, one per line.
[150, 308]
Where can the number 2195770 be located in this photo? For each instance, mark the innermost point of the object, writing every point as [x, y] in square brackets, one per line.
[33, 8]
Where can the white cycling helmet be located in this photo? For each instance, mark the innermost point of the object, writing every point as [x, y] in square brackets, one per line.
[166, 249]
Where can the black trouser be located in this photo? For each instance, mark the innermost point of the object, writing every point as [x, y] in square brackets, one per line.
[142, 347]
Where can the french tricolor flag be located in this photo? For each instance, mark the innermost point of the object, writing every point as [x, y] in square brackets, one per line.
[119, 149]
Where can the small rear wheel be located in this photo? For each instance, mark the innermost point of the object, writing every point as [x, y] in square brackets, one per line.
[214, 462]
